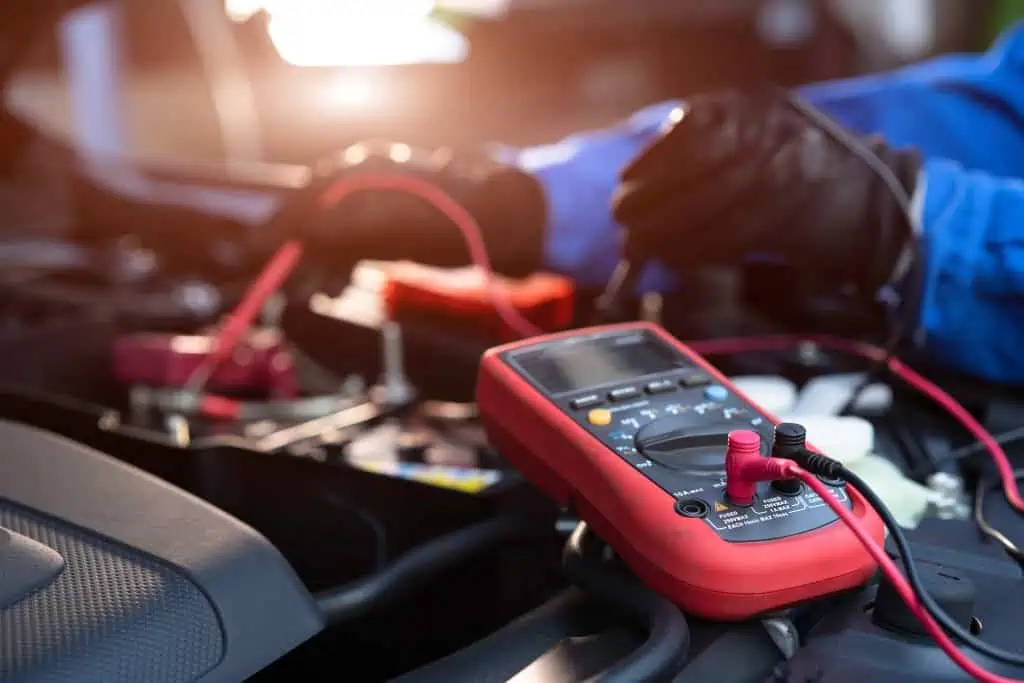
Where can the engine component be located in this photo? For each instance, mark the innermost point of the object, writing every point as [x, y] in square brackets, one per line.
[569, 639]
[777, 395]
[394, 385]
[261, 364]
[949, 499]
[447, 320]
[828, 394]
[118, 577]
[461, 298]
[862, 637]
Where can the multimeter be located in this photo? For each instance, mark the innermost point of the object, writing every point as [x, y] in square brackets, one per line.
[630, 426]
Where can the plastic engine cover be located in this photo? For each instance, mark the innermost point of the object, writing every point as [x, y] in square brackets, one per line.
[108, 574]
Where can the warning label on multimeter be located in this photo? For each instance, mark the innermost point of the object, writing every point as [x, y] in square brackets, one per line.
[788, 515]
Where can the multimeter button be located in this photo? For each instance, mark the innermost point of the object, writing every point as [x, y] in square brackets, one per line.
[716, 393]
[696, 379]
[600, 417]
[623, 393]
[584, 402]
[660, 387]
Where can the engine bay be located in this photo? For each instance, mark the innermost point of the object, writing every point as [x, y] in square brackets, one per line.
[353, 440]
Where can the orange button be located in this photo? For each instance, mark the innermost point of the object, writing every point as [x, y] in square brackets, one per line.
[600, 417]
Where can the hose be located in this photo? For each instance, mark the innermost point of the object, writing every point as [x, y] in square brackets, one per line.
[668, 639]
[415, 568]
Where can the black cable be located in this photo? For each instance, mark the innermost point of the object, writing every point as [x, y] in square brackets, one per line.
[668, 639]
[913, 578]
[1004, 439]
[626, 275]
[980, 495]
[912, 446]
[912, 257]
[611, 305]
[376, 527]
[415, 568]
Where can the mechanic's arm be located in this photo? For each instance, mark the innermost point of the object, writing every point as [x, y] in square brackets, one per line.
[972, 313]
[967, 108]
[744, 174]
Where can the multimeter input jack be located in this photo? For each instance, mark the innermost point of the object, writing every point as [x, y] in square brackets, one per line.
[693, 507]
[831, 481]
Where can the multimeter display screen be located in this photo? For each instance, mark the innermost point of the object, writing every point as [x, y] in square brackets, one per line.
[570, 367]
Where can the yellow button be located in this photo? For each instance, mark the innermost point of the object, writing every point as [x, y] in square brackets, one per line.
[600, 417]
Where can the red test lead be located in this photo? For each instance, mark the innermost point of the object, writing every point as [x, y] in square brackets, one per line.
[745, 467]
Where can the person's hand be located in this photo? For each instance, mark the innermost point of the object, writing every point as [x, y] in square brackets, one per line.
[736, 174]
[387, 224]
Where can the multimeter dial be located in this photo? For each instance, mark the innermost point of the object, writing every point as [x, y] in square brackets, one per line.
[686, 443]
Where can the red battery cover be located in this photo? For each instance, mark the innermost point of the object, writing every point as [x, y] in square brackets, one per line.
[261, 363]
[460, 298]
[682, 558]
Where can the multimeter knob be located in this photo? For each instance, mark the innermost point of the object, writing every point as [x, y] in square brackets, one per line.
[679, 444]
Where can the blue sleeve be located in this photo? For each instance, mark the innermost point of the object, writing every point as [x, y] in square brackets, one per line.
[972, 313]
[969, 109]
[965, 108]
[579, 175]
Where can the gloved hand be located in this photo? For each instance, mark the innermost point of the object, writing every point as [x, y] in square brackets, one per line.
[508, 204]
[737, 174]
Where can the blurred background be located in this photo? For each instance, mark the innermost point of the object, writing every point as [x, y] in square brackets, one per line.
[287, 80]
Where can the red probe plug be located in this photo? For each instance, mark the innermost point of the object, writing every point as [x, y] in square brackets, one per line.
[745, 467]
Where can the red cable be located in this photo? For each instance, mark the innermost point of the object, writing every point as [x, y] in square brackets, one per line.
[873, 353]
[899, 582]
[949, 404]
[453, 211]
[267, 283]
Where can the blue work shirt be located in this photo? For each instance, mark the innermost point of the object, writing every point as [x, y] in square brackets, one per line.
[965, 113]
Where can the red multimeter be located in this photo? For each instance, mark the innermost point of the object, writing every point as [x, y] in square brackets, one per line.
[630, 425]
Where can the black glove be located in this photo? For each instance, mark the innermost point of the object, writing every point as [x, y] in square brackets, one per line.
[508, 204]
[738, 173]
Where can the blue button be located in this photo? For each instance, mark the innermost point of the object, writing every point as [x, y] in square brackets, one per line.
[716, 393]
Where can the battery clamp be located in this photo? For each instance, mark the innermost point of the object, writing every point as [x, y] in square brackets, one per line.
[633, 428]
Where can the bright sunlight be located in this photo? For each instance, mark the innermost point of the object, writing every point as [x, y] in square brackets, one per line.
[359, 33]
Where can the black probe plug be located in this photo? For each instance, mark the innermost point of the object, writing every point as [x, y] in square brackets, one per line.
[789, 440]
[791, 443]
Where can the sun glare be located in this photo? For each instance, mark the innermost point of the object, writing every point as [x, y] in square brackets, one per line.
[325, 33]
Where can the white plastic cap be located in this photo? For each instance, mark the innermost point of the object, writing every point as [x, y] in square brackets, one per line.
[776, 395]
[828, 394]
